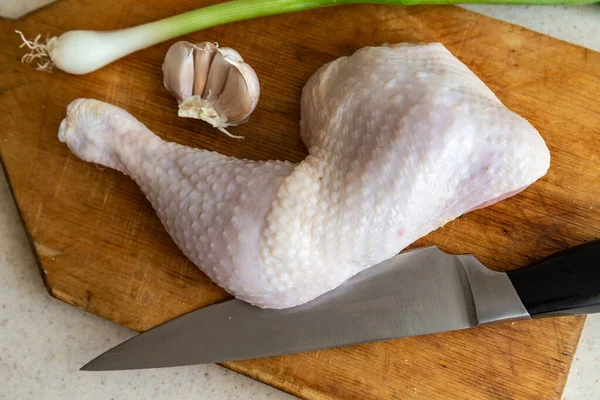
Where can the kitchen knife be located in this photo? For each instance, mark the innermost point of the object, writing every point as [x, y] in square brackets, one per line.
[417, 292]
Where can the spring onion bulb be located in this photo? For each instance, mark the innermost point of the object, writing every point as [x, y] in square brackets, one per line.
[80, 52]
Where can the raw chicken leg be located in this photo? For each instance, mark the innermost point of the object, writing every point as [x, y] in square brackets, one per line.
[402, 139]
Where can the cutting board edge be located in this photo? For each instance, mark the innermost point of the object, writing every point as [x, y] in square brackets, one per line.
[30, 241]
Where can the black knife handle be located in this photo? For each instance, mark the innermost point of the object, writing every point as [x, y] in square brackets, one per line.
[566, 283]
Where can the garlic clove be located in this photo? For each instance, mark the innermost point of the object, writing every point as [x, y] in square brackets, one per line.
[251, 80]
[217, 76]
[243, 80]
[178, 70]
[203, 57]
[223, 90]
[234, 102]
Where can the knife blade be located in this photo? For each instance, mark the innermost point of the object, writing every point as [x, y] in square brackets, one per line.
[418, 292]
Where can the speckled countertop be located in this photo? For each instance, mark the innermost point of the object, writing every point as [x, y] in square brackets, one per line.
[43, 341]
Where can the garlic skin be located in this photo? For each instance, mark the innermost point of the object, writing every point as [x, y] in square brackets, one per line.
[211, 83]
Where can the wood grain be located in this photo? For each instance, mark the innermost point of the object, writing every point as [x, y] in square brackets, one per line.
[101, 247]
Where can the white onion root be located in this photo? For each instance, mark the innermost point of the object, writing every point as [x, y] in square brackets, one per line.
[38, 51]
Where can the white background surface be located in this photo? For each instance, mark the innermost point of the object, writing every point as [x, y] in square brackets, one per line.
[43, 341]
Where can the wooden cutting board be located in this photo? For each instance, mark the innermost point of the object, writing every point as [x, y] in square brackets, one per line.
[101, 247]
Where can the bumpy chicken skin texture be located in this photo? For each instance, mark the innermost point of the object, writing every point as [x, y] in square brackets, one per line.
[401, 140]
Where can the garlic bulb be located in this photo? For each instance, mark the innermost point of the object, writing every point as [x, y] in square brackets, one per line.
[211, 83]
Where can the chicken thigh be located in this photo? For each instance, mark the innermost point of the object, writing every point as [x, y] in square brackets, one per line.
[401, 140]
